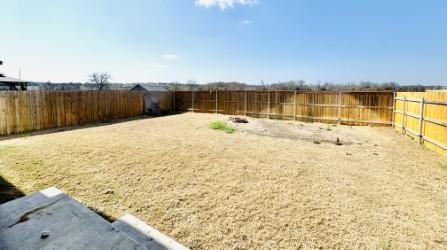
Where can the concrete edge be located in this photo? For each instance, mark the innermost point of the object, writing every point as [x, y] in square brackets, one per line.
[151, 232]
[51, 192]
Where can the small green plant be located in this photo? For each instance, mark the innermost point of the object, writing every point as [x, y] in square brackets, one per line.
[317, 142]
[5, 150]
[222, 126]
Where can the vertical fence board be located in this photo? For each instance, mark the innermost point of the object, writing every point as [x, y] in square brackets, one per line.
[351, 108]
[22, 111]
[431, 130]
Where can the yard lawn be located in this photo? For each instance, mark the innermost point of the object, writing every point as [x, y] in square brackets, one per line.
[251, 189]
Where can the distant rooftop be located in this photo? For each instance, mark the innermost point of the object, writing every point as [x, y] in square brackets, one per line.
[9, 80]
[143, 86]
[5, 79]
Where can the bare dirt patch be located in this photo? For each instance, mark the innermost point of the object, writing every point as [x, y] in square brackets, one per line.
[313, 132]
[214, 190]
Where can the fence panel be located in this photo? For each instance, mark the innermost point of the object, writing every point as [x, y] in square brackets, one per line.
[353, 108]
[423, 116]
[22, 111]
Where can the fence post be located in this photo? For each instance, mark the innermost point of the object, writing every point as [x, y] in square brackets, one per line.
[404, 115]
[216, 99]
[192, 101]
[339, 107]
[268, 104]
[294, 105]
[224, 101]
[245, 102]
[394, 110]
[173, 100]
[421, 121]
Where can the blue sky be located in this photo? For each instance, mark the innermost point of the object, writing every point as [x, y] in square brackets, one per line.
[226, 40]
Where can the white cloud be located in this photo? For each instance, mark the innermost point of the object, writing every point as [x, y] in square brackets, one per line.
[247, 22]
[159, 65]
[170, 57]
[224, 4]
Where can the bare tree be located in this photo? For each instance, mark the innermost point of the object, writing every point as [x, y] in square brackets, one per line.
[101, 80]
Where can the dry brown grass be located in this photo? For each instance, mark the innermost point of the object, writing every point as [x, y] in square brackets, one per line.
[210, 189]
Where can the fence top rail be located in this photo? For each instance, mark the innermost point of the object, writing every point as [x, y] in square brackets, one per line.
[75, 91]
[409, 99]
[435, 102]
[292, 91]
[420, 100]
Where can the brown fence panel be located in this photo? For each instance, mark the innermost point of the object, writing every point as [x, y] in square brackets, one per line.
[353, 108]
[161, 101]
[22, 111]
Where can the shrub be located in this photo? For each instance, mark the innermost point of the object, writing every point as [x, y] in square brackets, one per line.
[222, 126]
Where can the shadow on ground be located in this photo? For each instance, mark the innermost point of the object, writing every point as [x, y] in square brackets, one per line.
[8, 191]
[83, 126]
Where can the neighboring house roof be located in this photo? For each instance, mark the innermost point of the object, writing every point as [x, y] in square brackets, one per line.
[138, 87]
[155, 88]
[143, 87]
[5, 79]
[9, 83]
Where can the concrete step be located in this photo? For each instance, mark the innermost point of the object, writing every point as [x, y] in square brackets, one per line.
[52, 220]
[146, 235]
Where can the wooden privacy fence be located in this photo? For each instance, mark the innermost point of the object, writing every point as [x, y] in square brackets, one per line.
[158, 102]
[423, 115]
[22, 111]
[353, 108]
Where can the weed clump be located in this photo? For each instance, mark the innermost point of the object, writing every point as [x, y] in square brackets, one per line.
[222, 126]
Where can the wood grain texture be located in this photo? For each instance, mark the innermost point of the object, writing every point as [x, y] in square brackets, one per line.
[434, 116]
[350, 108]
[23, 111]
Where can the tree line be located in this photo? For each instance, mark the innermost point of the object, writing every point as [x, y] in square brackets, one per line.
[101, 81]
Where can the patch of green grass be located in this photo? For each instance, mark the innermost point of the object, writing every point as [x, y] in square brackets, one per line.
[5, 150]
[222, 126]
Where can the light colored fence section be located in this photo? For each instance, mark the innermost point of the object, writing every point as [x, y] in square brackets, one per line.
[353, 108]
[22, 111]
[423, 116]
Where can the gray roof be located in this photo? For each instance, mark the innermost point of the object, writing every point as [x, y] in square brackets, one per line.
[10, 79]
[147, 87]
